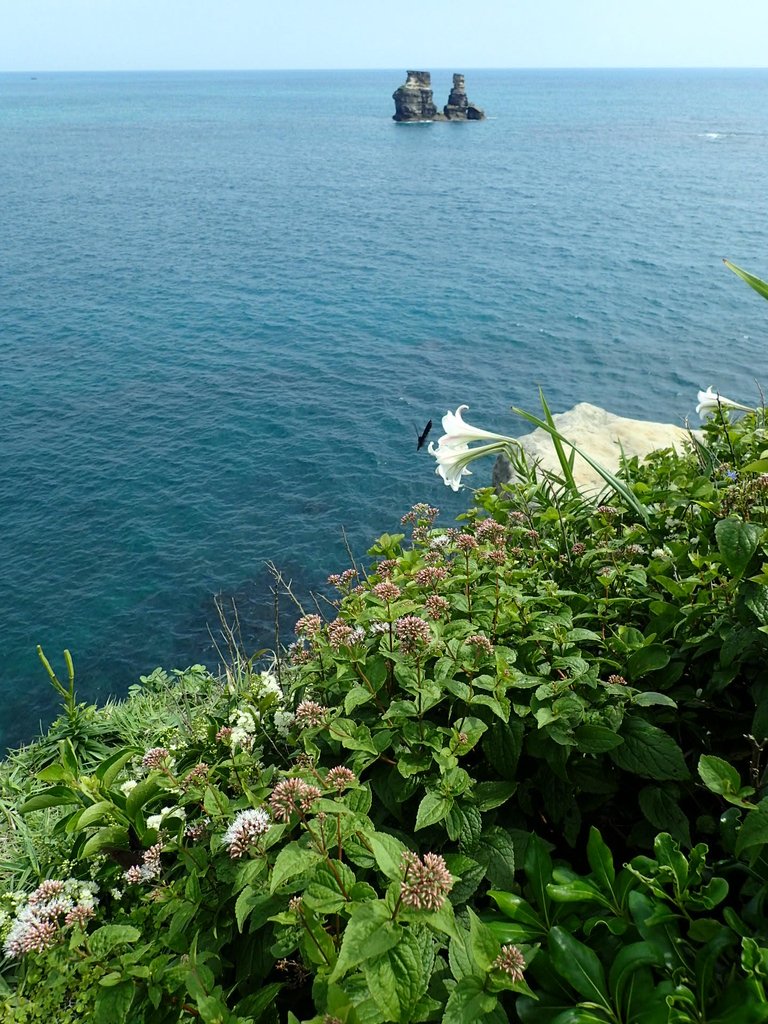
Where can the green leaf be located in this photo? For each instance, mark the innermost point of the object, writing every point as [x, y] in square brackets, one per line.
[648, 698]
[662, 810]
[718, 776]
[112, 836]
[754, 282]
[110, 768]
[468, 1002]
[388, 852]
[737, 542]
[496, 851]
[113, 1003]
[647, 659]
[619, 486]
[369, 933]
[600, 860]
[433, 808]
[627, 961]
[140, 795]
[579, 965]
[397, 980]
[56, 796]
[292, 860]
[324, 893]
[649, 751]
[100, 811]
[754, 831]
[482, 943]
[488, 795]
[109, 936]
[596, 739]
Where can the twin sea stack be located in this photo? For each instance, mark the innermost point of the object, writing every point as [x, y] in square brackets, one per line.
[413, 101]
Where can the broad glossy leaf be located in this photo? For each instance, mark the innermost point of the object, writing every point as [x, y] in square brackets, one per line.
[579, 965]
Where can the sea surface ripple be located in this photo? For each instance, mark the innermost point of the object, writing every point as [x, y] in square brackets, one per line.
[230, 301]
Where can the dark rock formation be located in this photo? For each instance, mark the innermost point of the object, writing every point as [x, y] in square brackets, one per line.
[458, 107]
[413, 101]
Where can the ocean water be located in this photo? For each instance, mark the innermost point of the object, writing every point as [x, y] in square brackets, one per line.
[229, 301]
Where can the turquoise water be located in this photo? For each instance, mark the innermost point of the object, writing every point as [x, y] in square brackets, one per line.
[229, 300]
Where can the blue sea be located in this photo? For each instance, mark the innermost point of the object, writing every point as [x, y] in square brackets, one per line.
[229, 301]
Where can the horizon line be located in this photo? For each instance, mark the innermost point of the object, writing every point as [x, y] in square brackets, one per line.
[446, 67]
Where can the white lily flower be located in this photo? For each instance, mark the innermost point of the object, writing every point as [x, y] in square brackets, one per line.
[457, 432]
[453, 453]
[710, 400]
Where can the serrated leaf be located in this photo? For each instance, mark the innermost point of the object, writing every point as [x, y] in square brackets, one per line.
[468, 1002]
[649, 752]
[496, 851]
[483, 944]
[433, 808]
[329, 883]
[488, 795]
[291, 861]
[113, 1003]
[110, 936]
[388, 852]
[369, 933]
[396, 979]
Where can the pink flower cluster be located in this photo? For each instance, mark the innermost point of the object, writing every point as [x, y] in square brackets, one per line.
[421, 510]
[53, 906]
[340, 777]
[511, 961]
[412, 632]
[292, 795]
[196, 776]
[466, 543]
[155, 758]
[149, 868]
[431, 575]
[247, 827]
[490, 530]
[386, 567]
[482, 643]
[426, 882]
[310, 713]
[342, 580]
[436, 606]
[340, 634]
[386, 591]
[308, 625]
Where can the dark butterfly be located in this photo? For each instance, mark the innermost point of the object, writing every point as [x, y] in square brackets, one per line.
[423, 436]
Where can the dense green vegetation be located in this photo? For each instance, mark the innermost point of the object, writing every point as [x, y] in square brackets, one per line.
[517, 773]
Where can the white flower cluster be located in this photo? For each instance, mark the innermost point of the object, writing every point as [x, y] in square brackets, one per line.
[245, 725]
[284, 722]
[268, 684]
[54, 905]
[156, 820]
[128, 785]
[245, 830]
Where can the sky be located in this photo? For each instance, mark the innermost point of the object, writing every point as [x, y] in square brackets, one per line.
[121, 35]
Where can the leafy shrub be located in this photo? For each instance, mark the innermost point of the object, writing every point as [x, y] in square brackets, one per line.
[415, 815]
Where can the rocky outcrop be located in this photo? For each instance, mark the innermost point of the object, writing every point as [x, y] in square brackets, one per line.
[458, 107]
[414, 101]
[602, 435]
